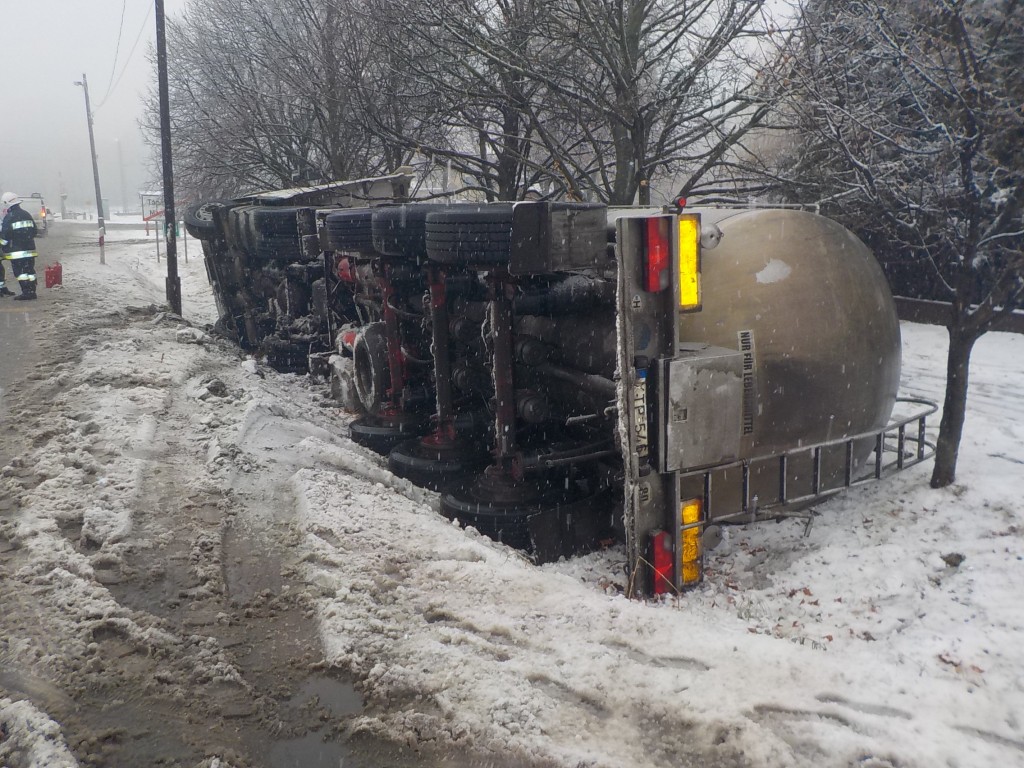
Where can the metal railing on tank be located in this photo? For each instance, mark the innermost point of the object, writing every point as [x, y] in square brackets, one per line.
[903, 439]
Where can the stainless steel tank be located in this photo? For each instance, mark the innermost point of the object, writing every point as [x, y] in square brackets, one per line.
[807, 303]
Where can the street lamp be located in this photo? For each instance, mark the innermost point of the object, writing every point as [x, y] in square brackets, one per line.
[95, 166]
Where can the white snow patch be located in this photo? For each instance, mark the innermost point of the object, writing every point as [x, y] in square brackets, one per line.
[775, 271]
[29, 735]
[105, 525]
[858, 644]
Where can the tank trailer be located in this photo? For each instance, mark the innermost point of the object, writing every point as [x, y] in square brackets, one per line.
[568, 375]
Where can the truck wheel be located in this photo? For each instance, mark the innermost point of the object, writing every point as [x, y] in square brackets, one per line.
[382, 433]
[350, 230]
[286, 355]
[239, 228]
[479, 235]
[504, 521]
[279, 248]
[531, 515]
[343, 386]
[372, 377]
[199, 219]
[435, 464]
[268, 220]
[400, 230]
[243, 309]
[251, 338]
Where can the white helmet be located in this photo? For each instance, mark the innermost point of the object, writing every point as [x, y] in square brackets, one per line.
[9, 199]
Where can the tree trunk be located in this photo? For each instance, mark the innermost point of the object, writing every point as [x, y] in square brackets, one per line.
[644, 186]
[954, 406]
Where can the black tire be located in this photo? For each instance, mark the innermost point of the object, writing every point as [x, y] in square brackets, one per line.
[251, 337]
[319, 299]
[350, 230]
[479, 235]
[199, 219]
[534, 523]
[400, 230]
[279, 248]
[268, 220]
[504, 520]
[286, 355]
[372, 375]
[240, 230]
[292, 298]
[435, 465]
[382, 434]
[238, 266]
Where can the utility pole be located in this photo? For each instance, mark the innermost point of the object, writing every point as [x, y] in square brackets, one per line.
[95, 167]
[170, 220]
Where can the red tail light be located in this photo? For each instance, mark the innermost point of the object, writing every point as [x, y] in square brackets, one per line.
[661, 562]
[657, 252]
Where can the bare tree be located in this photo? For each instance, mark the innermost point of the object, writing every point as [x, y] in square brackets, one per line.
[592, 98]
[908, 120]
[595, 99]
[464, 60]
[673, 84]
[262, 94]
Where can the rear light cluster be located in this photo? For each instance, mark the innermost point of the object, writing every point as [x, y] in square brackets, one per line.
[661, 562]
[674, 570]
[665, 250]
[657, 252]
[689, 262]
[690, 555]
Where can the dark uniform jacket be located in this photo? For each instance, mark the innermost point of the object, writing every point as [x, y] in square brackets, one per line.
[19, 232]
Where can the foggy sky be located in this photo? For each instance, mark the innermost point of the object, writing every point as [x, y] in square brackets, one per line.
[44, 138]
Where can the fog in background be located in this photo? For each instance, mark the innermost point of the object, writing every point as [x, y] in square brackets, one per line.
[44, 137]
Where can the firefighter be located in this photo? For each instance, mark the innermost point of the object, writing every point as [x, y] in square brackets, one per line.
[18, 240]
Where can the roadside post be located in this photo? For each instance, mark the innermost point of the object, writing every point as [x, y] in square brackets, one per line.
[152, 210]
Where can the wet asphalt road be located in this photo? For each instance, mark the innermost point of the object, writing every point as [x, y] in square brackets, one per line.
[18, 351]
[19, 322]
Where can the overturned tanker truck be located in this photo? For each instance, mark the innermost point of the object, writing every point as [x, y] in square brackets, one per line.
[568, 375]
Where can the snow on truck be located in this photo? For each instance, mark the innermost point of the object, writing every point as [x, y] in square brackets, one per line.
[569, 374]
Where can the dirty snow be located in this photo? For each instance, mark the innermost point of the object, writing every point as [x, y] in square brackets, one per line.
[888, 633]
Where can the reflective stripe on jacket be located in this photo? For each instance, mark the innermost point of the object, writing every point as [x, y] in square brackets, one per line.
[20, 255]
[19, 230]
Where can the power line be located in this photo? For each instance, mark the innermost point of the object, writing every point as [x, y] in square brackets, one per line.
[128, 61]
[117, 50]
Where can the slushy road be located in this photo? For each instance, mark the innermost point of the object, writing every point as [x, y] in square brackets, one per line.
[19, 353]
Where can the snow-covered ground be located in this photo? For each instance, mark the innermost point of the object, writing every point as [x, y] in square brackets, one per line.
[889, 633]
